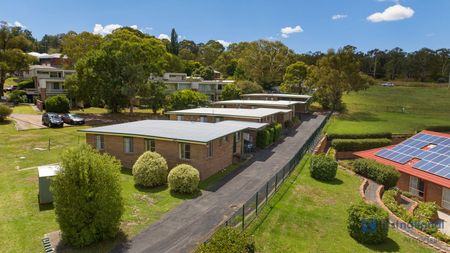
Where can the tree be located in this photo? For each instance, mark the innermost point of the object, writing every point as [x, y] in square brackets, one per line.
[335, 74]
[248, 87]
[209, 52]
[188, 50]
[294, 78]
[117, 72]
[231, 91]
[87, 196]
[184, 99]
[173, 46]
[207, 73]
[154, 94]
[190, 66]
[5, 111]
[13, 60]
[75, 46]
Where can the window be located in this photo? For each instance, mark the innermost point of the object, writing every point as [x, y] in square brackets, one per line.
[185, 151]
[100, 142]
[56, 86]
[179, 117]
[218, 119]
[210, 149]
[416, 186]
[219, 86]
[53, 74]
[150, 145]
[203, 119]
[237, 136]
[445, 198]
[128, 145]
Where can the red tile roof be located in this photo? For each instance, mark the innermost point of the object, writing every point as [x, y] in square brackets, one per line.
[407, 168]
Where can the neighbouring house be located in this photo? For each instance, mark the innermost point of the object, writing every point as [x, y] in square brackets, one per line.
[209, 147]
[260, 115]
[252, 104]
[181, 81]
[54, 60]
[424, 163]
[48, 81]
[300, 108]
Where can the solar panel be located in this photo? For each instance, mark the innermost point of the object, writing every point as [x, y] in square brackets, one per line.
[436, 160]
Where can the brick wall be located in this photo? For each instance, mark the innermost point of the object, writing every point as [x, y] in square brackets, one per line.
[221, 158]
[403, 182]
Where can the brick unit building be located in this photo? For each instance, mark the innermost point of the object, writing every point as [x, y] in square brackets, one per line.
[424, 163]
[209, 147]
[252, 104]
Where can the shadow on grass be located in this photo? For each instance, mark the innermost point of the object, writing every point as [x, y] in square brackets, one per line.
[126, 171]
[388, 246]
[6, 122]
[335, 181]
[46, 207]
[120, 241]
[151, 189]
[185, 196]
[360, 116]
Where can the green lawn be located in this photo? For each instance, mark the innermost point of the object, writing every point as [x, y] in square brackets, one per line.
[23, 224]
[310, 216]
[25, 109]
[393, 109]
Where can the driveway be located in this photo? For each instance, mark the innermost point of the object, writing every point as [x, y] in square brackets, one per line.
[27, 121]
[192, 222]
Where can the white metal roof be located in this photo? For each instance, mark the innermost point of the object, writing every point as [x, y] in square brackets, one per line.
[277, 103]
[176, 130]
[48, 170]
[236, 112]
[281, 95]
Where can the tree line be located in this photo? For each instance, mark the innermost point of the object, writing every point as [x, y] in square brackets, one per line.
[114, 69]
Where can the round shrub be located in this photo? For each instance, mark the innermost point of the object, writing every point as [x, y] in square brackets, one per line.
[380, 173]
[323, 167]
[58, 104]
[19, 96]
[150, 170]
[184, 179]
[5, 111]
[367, 223]
[228, 239]
[87, 196]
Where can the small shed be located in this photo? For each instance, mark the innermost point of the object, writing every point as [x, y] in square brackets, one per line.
[45, 174]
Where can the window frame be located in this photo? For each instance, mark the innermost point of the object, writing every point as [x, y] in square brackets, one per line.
[150, 145]
[185, 153]
[414, 186]
[445, 202]
[210, 149]
[100, 142]
[130, 145]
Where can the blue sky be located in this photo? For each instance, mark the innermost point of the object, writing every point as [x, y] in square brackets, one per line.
[308, 25]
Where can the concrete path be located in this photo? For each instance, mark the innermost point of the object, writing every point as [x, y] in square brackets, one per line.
[192, 222]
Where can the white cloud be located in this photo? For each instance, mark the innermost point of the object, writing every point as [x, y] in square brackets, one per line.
[338, 16]
[285, 31]
[392, 13]
[107, 29]
[17, 23]
[163, 36]
[224, 43]
[134, 27]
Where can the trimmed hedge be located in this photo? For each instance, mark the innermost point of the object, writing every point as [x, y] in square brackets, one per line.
[268, 135]
[228, 239]
[19, 96]
[277, 127]
[332, 136]
[439, 128]
[359, 144]
[367, 223]
[323, 167]
[5, 111]
[58, 104]
[26, 84]
[150, 170]
[184, 179]
[380, 173]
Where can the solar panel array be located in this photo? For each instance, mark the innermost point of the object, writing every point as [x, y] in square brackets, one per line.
[435, 160]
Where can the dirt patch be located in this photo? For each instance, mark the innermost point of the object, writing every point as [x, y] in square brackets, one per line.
[145, 198]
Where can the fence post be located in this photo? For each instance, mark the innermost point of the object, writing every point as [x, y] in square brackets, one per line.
[243, 217]
[256, 209]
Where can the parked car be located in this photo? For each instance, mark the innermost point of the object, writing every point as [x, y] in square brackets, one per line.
[388, 84]
[51, 119]
[72, 119]
[11, 88]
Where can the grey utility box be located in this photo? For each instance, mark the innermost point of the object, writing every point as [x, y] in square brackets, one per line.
[45, 174]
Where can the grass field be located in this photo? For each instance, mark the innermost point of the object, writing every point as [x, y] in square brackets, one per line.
[23, 224]
[393, 109]
[25, 109]
[310, 216]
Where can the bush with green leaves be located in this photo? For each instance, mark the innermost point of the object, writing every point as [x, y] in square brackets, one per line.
[5, 111]
[367, 223]
[359, 144]
[230, 92]
[19, 96]
[184, 179]
[323, 167]
[263, 138]
[150, 170]
[439, 128]
[390, 201]
[332, 136]
[228, 240]
[380, 173]
[87, 196]
[25, 84]
[58, 104]
[277, 127]
[184, 99]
